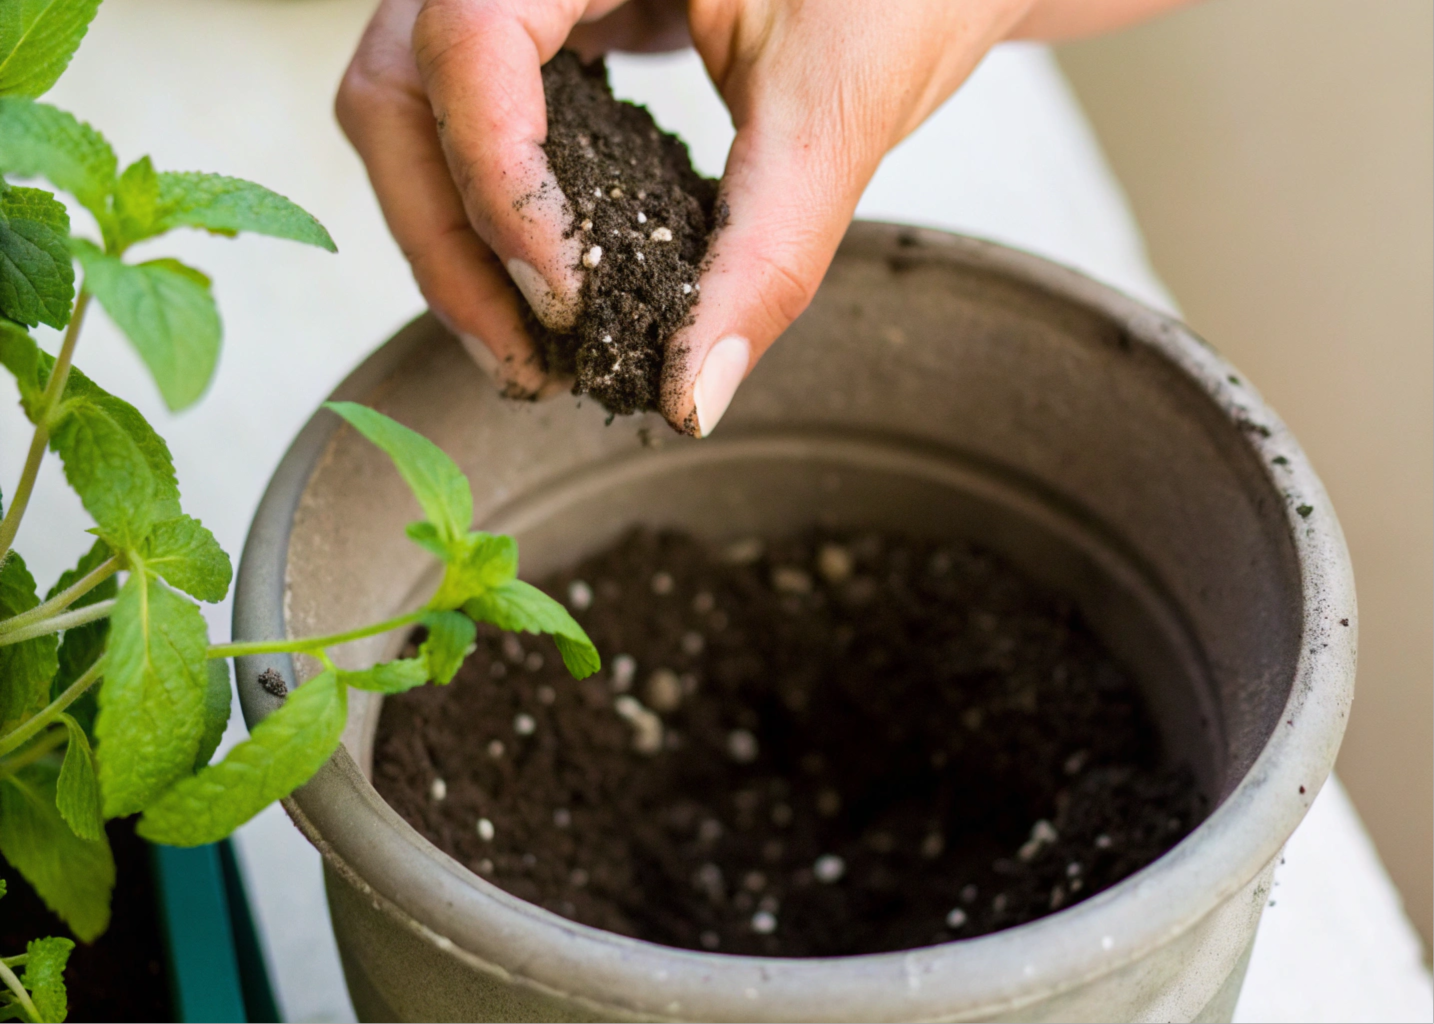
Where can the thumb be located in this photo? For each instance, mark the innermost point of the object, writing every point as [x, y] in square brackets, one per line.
[790, 197]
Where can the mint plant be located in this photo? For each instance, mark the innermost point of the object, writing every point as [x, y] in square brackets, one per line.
[112, 698]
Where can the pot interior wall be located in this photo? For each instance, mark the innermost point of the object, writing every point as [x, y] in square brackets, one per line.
[929, 388]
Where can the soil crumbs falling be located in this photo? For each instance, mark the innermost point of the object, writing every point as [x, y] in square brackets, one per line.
[829, 745]
[643, 216]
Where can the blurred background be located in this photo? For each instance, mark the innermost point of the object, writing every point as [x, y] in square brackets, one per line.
[1279, 156]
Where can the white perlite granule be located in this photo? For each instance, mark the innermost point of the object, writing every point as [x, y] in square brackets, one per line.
[741, 746]
[829, 868]
[624, 671]
[646, 726]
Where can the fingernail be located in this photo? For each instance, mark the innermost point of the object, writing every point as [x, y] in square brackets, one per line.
[722, 371]
[550, 309]
[481, 354]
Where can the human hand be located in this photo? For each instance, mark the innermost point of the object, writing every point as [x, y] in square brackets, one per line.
[444, 102]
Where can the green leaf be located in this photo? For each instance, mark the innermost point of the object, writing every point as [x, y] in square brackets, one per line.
[21, 356]
[217, 697]
[77, 794]
[45, 961]
[516, 605]
[128, 419]
[114, 460]
[425, 535]
[136, 203]
[167, 311]
[41, 141]
[80, 646]
[435, 480]
[390, 677]
[73, 876]
[152, 699]
[227, 206]
[281, 754]
[37, 40]
[450, 638]
[108, 470]
[37, 277]
[26, 668]
[477, 563]
[187, 555]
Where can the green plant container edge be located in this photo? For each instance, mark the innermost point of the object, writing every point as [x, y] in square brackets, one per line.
[216, 968]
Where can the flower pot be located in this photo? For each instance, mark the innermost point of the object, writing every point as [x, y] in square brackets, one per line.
[937, 385]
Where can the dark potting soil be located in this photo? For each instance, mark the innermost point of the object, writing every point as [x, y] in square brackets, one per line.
[643, 216]
[826, 745]
[121, 976]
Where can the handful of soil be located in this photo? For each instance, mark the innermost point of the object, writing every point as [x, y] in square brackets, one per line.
[831, 744]
[643, 216]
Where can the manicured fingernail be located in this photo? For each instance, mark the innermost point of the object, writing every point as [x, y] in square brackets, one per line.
[549, 308]
[482, 355]
[722, 371]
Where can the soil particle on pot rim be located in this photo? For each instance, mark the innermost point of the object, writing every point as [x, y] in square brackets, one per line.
[919, 745]
[643, 218]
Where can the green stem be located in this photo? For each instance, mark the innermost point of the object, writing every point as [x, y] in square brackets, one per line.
[66, 597]
[32, 727]
[10, 765]
[59, 375]
[21, 996]
[310, 644]
[55, 623]
[15, 961]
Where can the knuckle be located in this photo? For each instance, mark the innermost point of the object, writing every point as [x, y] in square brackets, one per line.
[786, 285]
[371, 83]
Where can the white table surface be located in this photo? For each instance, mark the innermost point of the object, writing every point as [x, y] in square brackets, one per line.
[245, 87]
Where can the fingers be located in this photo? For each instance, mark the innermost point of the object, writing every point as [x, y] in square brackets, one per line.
[790, 199]
[480, 63]
[382, 109]
[818, 97]
[637, 26]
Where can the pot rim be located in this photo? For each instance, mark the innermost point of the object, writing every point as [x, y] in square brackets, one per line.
[461, 913]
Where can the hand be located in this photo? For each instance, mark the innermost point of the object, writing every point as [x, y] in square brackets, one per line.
[444, 102]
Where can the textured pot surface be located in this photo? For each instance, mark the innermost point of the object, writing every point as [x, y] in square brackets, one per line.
[938, 385]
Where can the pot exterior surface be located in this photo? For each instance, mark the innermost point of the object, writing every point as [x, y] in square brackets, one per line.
[937, 385]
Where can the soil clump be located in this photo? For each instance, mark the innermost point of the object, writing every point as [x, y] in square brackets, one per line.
[830, 744]
[643, 216]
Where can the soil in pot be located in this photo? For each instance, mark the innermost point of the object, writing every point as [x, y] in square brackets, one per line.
[121, 976]
[643, 216]
[829, 744]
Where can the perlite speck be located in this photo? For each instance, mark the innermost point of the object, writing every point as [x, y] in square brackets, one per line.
[829, 868]
[485, 830]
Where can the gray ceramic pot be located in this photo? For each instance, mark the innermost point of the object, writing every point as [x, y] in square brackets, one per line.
[940, 385]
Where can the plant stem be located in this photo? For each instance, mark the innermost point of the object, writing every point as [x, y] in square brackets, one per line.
[32, 727]
[15, 961]
[55, 623]
[66, 597]
[9, 766]
[21, 996]
[310, 644]
[59, 375]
